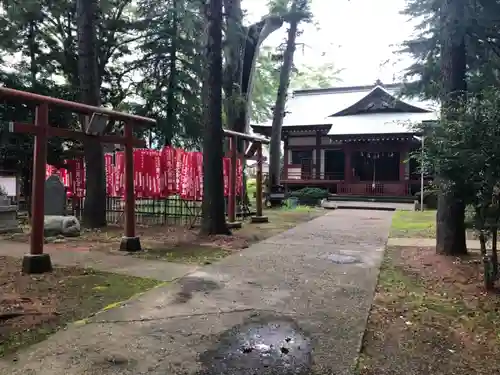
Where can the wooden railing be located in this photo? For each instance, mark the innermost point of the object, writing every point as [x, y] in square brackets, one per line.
[295, 172]
[401, 188]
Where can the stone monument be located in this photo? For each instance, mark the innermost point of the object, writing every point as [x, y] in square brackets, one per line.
[55, 220]
[8, 216]
[55, 197]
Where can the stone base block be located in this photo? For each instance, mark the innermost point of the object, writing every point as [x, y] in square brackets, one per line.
[259, 219]
[131, 244]
[234, 225]
[13, 230]
[36, 263]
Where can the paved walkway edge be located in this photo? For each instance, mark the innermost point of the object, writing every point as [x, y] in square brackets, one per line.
[121, 264]
[426, 242]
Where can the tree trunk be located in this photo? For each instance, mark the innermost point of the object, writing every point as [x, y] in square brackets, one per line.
[171, 111]
[27, 186]
[236, 99]
[235, 39]
[32, 50]
[242, 50]
[450, 234]
[94, 213]
[213, 218]
[279, 107]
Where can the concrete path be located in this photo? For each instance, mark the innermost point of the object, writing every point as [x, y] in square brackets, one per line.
[119, 264]
[426, 242]
[296, 303]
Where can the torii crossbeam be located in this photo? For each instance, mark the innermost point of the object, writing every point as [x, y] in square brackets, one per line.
[36, 261]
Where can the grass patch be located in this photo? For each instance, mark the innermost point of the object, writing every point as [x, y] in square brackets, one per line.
[414, 224]
[34, 306]
[251, 187]
[430, 315]
[185, 253]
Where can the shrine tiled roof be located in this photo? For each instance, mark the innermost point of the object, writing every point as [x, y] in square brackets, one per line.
[379, 123]
[376, 109]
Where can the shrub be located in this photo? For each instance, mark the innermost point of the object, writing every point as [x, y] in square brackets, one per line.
[430, 198]
[251, 182]
[309, 196]
[251, 187]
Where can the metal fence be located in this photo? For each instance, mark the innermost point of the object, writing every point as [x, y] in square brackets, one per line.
[171, 211]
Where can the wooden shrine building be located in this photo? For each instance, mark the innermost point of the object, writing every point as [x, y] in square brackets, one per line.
[352, 140]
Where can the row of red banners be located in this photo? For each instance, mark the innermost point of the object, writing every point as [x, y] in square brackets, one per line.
[157, 174]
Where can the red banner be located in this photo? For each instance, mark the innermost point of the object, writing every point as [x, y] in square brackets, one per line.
[110, 175]
[119, 174]
[157, 174]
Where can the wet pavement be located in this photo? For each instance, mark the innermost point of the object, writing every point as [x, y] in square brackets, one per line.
[260, 346]
[296, 303]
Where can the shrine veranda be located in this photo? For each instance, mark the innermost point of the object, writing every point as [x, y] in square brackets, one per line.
[168, 186]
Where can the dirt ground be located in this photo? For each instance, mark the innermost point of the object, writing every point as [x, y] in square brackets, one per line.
[431, 316]
[34, 306]
[181, 244]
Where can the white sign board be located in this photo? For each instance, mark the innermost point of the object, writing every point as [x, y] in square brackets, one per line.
[9, 185]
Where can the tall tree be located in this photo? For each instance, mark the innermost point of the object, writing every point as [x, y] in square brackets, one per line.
[456, 51]
[450, 234]
[171, 67]
[299, 12]
[94, 213]
[241, 52]
[481, 42]
[214, 218]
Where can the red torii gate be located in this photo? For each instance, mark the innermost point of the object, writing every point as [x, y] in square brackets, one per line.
[36, 261]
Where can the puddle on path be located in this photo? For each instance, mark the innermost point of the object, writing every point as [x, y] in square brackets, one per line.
[343, 259]
[272, 346]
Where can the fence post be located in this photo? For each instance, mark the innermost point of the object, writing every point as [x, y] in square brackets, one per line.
[129, 242]
[233, 147]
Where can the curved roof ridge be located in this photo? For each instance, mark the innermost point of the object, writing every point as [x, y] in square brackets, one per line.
[342, 89]
[411, 107]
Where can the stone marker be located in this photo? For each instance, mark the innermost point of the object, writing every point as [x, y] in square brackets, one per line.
[68, 226]
[55, 197]
[8, 216]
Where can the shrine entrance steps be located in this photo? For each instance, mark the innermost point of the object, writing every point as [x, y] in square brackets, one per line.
[371, 198]
[294, 303]
[367, 205]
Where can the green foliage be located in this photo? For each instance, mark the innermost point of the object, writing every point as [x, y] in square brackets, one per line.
[172, 68]
[465, 150]
[322, 76]
[251, 187]
[270, 61]
[430, 198]
[38, 52]
[481, 40]
[267, 81]
[310, 195]
[266, 85]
